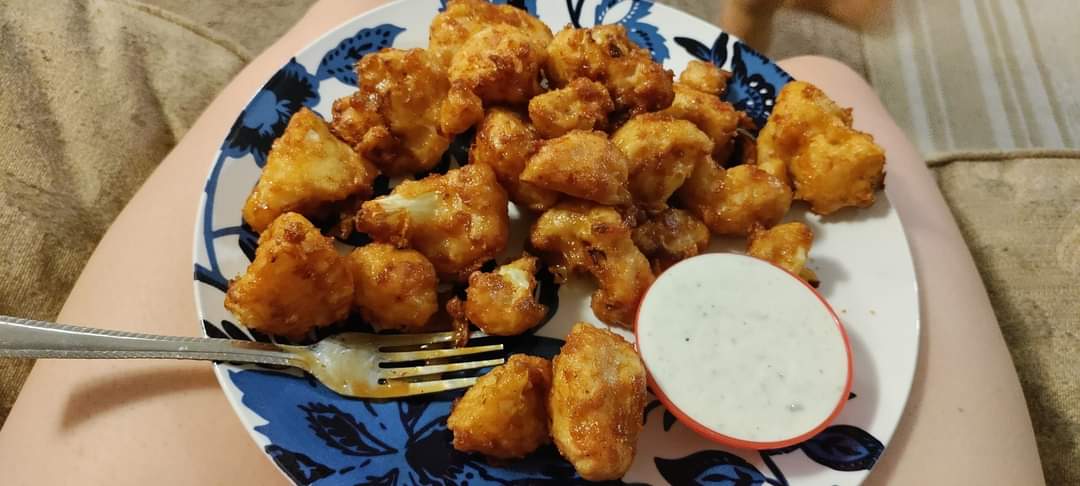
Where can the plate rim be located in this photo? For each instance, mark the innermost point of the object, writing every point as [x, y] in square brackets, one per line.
[247, 417]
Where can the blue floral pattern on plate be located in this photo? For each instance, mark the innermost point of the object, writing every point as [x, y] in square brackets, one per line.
[641, 32]
[318, 437]
[340, 61]
[755, 80]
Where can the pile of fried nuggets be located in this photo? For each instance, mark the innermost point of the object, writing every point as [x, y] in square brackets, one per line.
[623, 166]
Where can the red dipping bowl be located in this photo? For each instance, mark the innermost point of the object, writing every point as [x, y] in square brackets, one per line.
[743, 352]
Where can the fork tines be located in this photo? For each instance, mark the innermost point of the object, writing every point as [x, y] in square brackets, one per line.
[398, 377]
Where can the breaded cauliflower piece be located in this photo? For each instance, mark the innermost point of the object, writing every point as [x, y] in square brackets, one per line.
[582, 104]
[732, 202]
[459, 325]
[712, 115]
[393, 119]
[505, 142]
[504, 415]
[461, 19]
[503, 302]
[597, 402]
[581, 164]
[810, 138]
[670, 236]
[705, 77]
[306, 171]
[457, 220]
[662, 152]
[785, 245]
[604, 53]
[296, 283]
[395, 288]
[499, 64]
[582, 237]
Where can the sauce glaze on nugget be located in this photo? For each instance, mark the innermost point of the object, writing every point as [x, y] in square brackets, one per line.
[395, 287]
[306, 171]
[296, 283]
[597, 402]
[504, 415]
[457, 220]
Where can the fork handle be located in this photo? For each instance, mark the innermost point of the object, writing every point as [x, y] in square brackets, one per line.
[26, 338]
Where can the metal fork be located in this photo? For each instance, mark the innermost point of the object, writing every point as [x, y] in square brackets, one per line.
[349, 363]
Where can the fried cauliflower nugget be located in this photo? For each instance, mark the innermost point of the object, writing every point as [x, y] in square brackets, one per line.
[504, 415]
[712, 115]
[662, 152]
[604, 53]
[669, 236]
[296, 283]
[581, 237]
[705, 77]
[395, 288]
[452, 28]
[785, 245]
[810, 138]
[732, 202]
[582, 105]
[457, 220]
[393, 119]
[500, 64]
[597, 402]
[307, 170]
[505, 142]
[581, 164]
[503, 302]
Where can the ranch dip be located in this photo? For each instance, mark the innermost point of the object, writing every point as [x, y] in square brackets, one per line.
[743, 348]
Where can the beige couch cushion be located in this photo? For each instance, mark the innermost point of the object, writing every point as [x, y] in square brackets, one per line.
[1021, 218]
[94, 94]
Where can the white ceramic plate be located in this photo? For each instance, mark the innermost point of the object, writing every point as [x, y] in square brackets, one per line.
[318, 437]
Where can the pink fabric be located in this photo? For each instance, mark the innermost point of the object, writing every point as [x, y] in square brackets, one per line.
[114, 422]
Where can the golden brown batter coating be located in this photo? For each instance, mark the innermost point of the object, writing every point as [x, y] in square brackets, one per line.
[296, 283]
[306, 171]
[810, 138]
[597, 402]
[461, 110]
[581, 164]
[393, 119]
[452, 28]
[582, 237]
[785, 245]
[499, 64]
[732, 202]
[582, 105]
[505, 142]
[662, 152]
[457, 220]
[503, 302]
[705, 77]
[604, 53]
[504, 415]
[395, 288]
[669, 236]
[712, 115]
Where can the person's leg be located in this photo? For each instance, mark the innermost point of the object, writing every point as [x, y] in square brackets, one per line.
[110, 422]
[750, 20]
[149, 422]
[966, 421]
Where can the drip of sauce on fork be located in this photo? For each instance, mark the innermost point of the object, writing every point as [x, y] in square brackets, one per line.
[349, 367]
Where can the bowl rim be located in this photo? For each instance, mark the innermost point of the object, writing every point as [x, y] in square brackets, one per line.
[728, 440]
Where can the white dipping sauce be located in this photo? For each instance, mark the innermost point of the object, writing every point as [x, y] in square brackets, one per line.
[743, 348]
